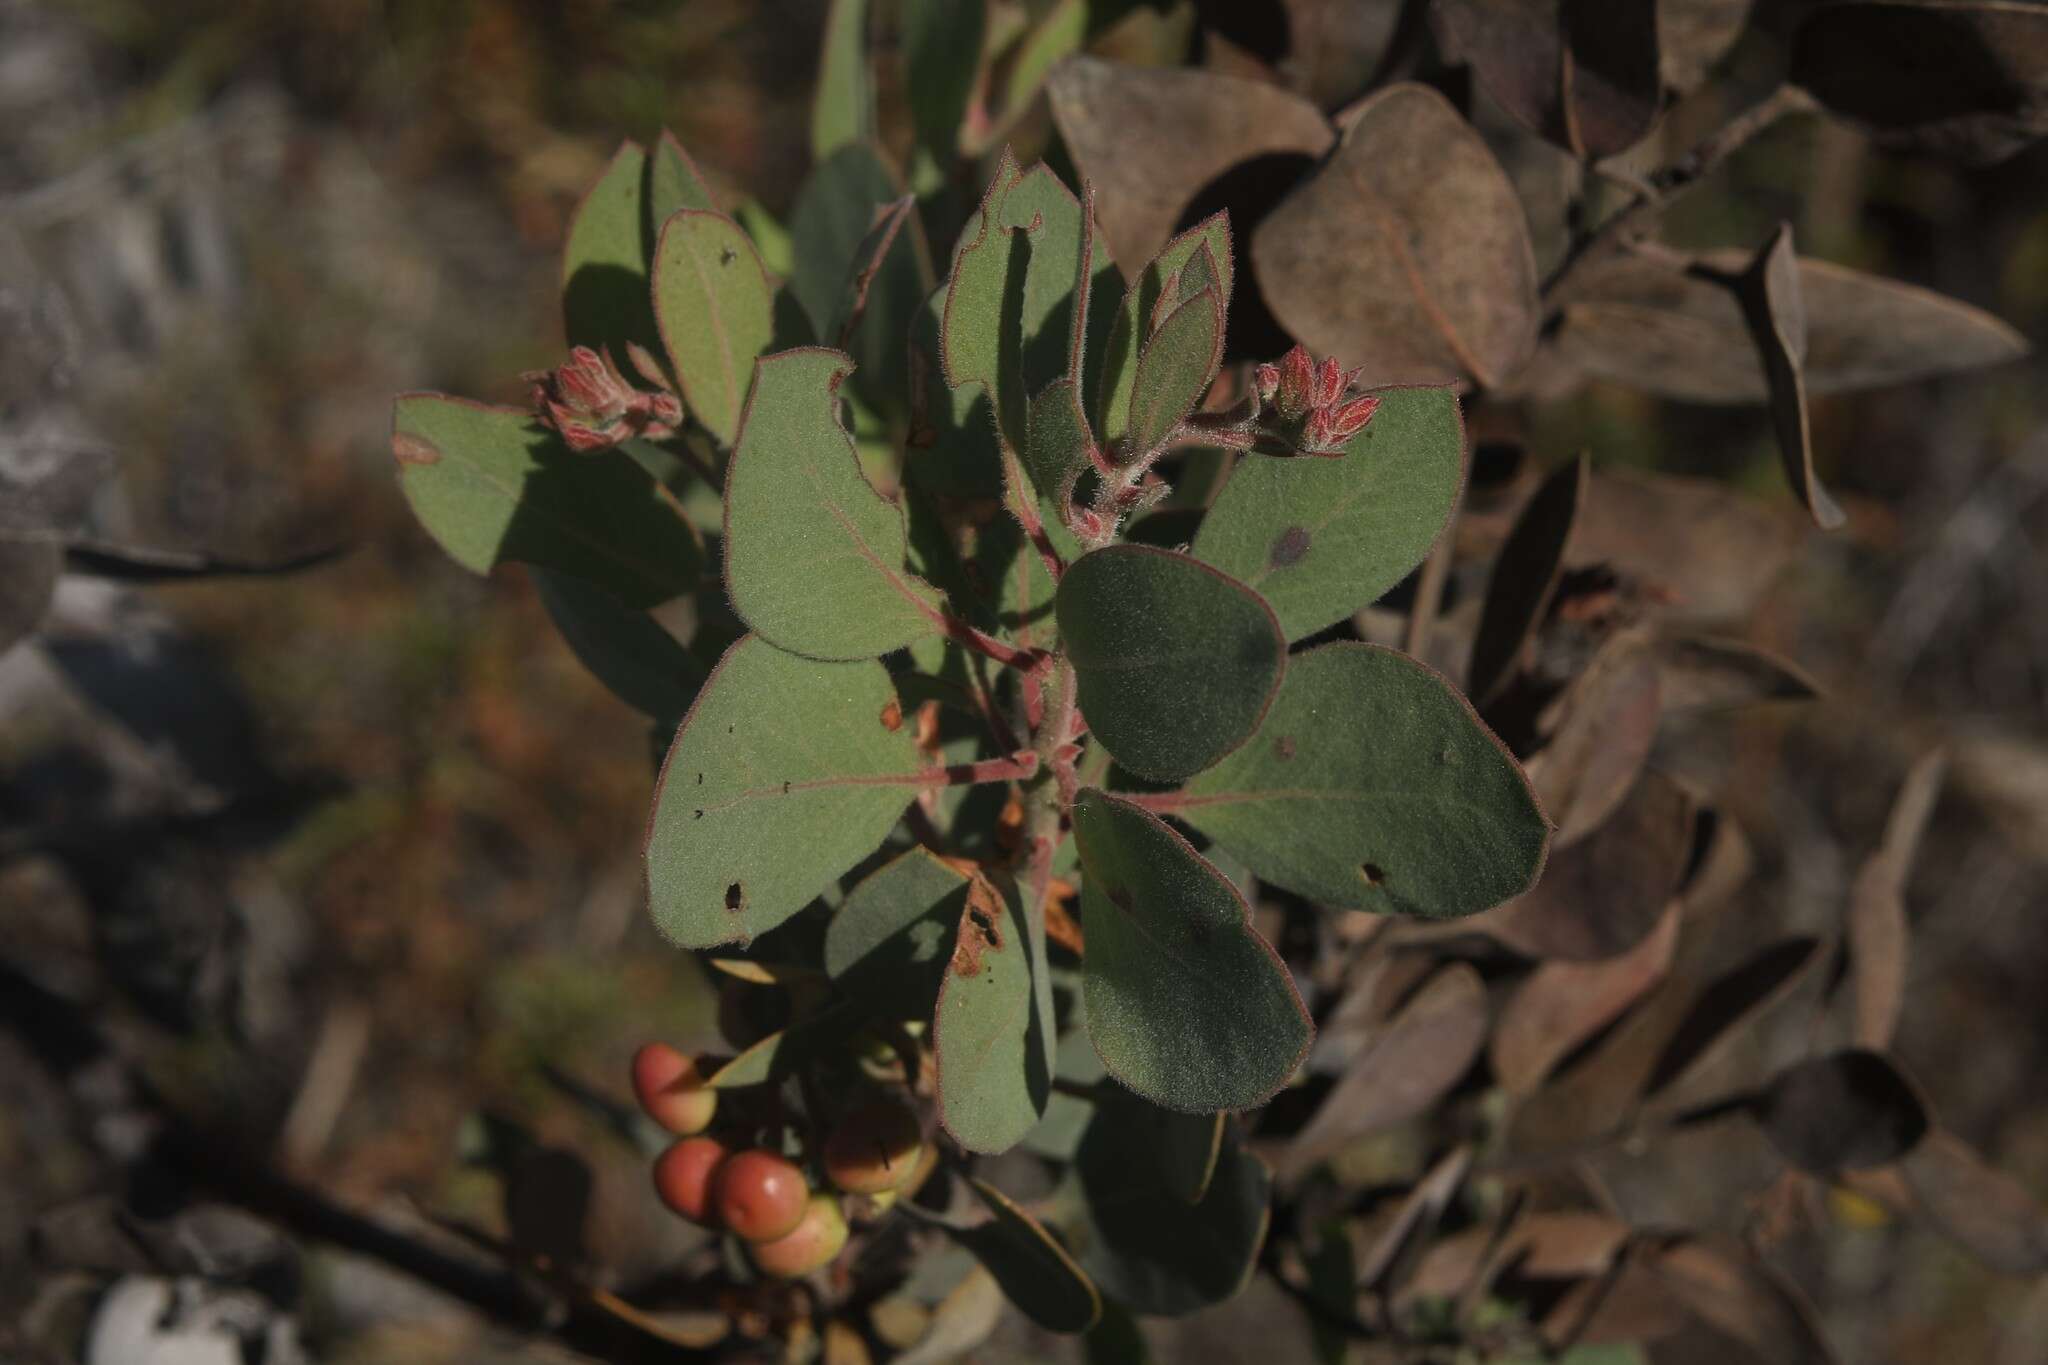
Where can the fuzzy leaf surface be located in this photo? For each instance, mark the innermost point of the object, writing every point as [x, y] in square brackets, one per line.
[1187, 1005]
[1035, 1271]
[785, 773]
[1175, 661]
[993, 1030]
[1372, 785]
[1318, 539]
[891, 940]
[1174, 369]
[813, 554]
[492, 486]
[1112, 367]
[717, 314]
[605, 301]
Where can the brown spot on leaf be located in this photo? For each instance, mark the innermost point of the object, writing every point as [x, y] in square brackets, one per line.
[1283, 747]
[981, 928]
[1290, 548]
[410, 449]
[735, 898]
[892, 715]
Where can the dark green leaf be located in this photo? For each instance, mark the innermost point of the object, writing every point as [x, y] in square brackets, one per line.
[1048, 218]
[993, 1031]
[785, 774]
[1035, 1271]
[1057, 448]
[1319, 539]
[1176, 662]
[1372, 785]
[1174, 370]
[982, 323]
[843, 109]
[890, 941]
[493, 487]
[645, 666]
[1525, 577]
[1143, 1247]
[942, 51]
[1187, 1005]
[834, 211]
[880, 302]
[1407, 251]
[813, 554]
[716, 310]
[1112, 366]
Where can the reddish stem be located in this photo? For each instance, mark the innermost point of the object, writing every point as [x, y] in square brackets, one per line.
[1162, 802]
[958, 631]
[1015, 768]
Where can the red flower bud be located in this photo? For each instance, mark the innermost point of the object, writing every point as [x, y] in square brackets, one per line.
[590, 403]
[1308, 414]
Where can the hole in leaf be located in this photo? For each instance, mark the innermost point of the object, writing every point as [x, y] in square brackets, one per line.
[735, 898]
[1290, 548]
[1372, 873]
[700, 779]
[697, 815]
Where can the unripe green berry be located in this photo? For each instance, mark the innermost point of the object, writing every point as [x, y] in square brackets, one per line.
[759, 1194]
[671, 1090]
[819, 1235]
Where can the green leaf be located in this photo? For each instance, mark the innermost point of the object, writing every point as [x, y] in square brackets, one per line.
[785, 774]
[891, 940]
[716, 310]
[953, 449]
[1056, 451]
[1060, 256]
[833, 213]
[979, 331]
[673, 184]
[1175, 661]
[492, 486]
[813, 554]
[1113, 367]
[1321, 538]
[843, 110]
[1188, 1006]
[1146, 1249]
[1035, 1271]
[643, 665]
[885, 287]
[1373, 785]
[1174, 369]
[942, 51]
[605, 300]
[993, 1030]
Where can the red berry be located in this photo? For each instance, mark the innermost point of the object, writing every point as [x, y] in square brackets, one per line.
[683, 1177]
[759, 1194]
[671, 1090]
[819, 1235]
[875, 1148]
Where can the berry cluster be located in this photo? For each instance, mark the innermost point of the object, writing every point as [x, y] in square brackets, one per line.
[876, 1150]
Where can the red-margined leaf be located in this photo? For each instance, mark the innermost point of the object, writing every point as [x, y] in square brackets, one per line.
[993, 1030]
[785, 773]
[717, 313]
[813, 554]
[1186, 1004]
[1174, 369]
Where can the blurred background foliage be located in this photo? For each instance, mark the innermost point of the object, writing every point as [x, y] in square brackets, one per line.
[375, 873]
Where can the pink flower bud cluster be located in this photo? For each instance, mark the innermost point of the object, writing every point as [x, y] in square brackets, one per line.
[1306, 405]
[590, 403]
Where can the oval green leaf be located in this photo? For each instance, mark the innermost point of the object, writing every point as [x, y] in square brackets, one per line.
[813, 554]
[993, 1030]
[1321, 538]
[1035, 1271]
[716, 310]
[604, 261]
[785, 774]
[891, 940]
[1176, 662]
[1373, 785]
[492, 486]
[1186, 1004]
[1174, 369]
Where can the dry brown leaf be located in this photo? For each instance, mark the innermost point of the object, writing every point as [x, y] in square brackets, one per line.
[1524, 579]
[1149, 140]
[1606, 724]
[1978, 1207]
[1742, 1297]
[1768, 290]
[1847, 1111]
[1407, 251]
[1712, 551]
[1564, 1004]
[1585, 74]
[1878, 938]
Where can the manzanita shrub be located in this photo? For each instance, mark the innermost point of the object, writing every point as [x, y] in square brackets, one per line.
[1019, 635]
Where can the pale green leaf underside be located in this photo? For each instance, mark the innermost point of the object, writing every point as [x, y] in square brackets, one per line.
[785, 774]
[1321, 538]
[1175, 662]
[1186, 1004]
[813, 554]
[993, 1028]
[492, 486]
[1372, 785]
[716, 310]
